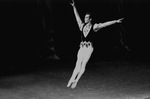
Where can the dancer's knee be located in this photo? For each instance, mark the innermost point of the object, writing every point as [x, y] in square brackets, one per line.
[80, 54]
[82, 70]
[84, 65]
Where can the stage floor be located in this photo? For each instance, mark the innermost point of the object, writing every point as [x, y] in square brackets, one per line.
[104, 81]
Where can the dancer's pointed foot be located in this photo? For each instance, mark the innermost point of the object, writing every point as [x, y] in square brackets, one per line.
[74, 84]
[69, 83]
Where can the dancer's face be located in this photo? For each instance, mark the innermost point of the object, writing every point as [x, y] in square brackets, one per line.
[87, 18]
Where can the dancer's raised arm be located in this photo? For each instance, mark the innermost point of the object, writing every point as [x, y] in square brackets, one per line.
[102, 25]
[79, 21]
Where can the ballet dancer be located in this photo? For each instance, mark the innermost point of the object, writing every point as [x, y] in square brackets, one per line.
[86, 47]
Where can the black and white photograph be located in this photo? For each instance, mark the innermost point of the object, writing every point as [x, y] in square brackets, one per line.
[75, 49]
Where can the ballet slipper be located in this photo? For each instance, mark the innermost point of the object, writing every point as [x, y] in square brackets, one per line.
[69, 83]
[74, 84]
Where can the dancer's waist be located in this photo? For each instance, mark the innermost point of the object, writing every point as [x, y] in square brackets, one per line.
[84, 43]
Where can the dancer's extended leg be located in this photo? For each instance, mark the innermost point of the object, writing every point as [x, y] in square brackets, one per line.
[77, 67]
[87, 56]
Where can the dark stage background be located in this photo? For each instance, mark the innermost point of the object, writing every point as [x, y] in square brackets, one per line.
[39, 32]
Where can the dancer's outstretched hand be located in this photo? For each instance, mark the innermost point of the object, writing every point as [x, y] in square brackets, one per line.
[73, 4]
[120, 20]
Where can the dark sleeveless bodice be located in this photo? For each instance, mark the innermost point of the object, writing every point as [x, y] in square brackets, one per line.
[89, 36]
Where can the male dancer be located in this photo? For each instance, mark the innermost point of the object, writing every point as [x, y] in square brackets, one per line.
[86, 47]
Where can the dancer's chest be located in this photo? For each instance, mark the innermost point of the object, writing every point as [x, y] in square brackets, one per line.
[86, 30]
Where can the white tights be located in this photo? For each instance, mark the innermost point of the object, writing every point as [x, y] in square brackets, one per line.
[83, 56]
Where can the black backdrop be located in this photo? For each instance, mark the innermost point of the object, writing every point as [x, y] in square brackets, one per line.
[24, 37]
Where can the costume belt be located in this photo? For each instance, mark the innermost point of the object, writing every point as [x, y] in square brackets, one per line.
[87, 44]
